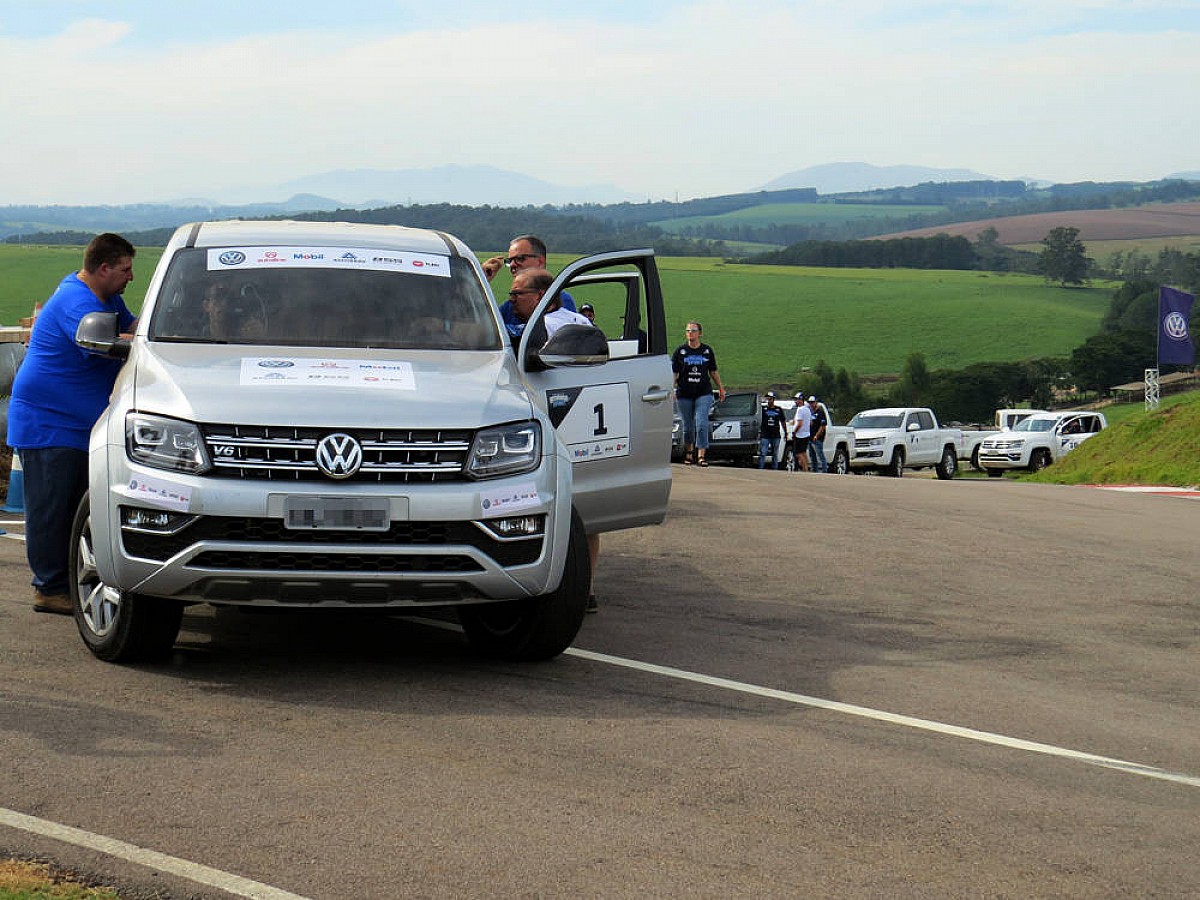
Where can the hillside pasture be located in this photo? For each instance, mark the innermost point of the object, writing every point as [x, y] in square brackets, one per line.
[768, 323]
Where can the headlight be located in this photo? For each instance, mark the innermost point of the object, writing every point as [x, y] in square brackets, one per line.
[165, 443]
[505, 450]
[876, 442]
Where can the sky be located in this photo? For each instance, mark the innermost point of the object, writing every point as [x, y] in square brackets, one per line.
[126, 101]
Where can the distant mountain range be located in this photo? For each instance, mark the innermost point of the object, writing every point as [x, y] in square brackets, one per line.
[854, 177]
[462, 185]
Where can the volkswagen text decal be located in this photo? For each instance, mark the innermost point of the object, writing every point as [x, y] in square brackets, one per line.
[339, 455]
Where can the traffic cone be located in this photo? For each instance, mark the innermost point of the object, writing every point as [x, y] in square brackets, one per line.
[15, 501]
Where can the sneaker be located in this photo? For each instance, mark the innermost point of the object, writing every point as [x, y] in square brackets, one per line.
[59, 604]
[592, 605]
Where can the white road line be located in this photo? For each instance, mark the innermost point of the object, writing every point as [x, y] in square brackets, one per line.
[864, 712]
[231, 884]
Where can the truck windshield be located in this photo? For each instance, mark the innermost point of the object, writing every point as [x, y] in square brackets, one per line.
[1036, 425]
[863, 420]
[298, 305]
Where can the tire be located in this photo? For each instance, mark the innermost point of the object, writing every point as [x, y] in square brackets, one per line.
[840, 464]
[975, 459]
[895, 469]
[116, 626]
[994, 473]
[948, 465]
[1039, 460]
[535, 628]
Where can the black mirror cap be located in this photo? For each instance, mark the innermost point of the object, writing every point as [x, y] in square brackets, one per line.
[97, 333]
[575, 345]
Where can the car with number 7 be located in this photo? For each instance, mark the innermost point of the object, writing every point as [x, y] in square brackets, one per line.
[333, 416]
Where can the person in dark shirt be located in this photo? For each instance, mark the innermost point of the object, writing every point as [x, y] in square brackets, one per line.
[771, 428]
[816, 440]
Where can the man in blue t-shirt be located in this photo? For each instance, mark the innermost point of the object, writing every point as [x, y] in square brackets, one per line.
[525, 252]
[58, 394]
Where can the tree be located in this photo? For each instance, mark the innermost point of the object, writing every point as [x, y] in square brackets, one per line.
[1064, 258]
[1105, 360]
[914, 381]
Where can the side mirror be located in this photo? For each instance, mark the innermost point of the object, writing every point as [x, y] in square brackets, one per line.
[914, 426]
[574, 345]
[97, 333]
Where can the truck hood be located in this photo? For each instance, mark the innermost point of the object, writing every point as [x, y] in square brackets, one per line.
[863, 433]
[329, 388]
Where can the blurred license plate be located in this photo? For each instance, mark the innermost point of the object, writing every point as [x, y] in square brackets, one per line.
[336, 513]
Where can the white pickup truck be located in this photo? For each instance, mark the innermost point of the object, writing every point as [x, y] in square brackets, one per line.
[895, 438]
[975, 435]
[1039, 440]
[838, 444]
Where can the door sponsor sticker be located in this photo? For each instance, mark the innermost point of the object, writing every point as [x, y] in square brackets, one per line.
[593, 421]
[160, 493]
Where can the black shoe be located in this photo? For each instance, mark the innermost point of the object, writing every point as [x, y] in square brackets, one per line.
[592, 605]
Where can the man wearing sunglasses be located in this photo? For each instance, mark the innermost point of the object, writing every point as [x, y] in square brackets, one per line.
[525, 252]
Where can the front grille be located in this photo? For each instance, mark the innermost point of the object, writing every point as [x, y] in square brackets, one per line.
[289, 454]
[334, 562]
[161, 547]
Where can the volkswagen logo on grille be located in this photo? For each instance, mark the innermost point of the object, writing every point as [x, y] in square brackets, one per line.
[339, 455]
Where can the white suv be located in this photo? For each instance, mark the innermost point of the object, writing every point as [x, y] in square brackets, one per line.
[332, 415]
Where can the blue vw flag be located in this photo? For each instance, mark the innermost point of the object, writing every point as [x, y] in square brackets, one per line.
[1174, 337]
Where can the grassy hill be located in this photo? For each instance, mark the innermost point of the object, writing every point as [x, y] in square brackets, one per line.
[797, 214]
[767, 323]
[1160, 447]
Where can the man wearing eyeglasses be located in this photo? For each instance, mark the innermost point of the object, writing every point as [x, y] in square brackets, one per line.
[525, 252]
[529, 286]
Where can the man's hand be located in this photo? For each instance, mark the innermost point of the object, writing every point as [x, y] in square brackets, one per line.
[491, 266]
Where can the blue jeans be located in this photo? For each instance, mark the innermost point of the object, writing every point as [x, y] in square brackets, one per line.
[694, 412]
[767, 447]
[816, 456]
[55, 480]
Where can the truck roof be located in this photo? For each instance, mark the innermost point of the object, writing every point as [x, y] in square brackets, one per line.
[288, 232]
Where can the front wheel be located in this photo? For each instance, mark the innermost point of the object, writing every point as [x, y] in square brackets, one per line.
[116, 626]
[840, 464]
[948, 465]
[1039, 460]
[535, 628]
[975, 459]
[895, 468]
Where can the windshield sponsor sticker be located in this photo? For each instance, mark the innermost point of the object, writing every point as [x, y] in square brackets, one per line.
[393, 375]
[157, 492]
[227, 259]
[510, 499]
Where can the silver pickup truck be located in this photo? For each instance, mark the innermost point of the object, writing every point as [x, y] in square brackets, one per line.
[328, 415]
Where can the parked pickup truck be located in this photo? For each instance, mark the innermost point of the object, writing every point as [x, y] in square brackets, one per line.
[895, 438]
[838, 445]
[1039, 440]
[975, 435]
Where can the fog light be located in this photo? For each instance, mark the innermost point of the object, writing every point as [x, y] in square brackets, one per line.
[161, 521]
[514, 526]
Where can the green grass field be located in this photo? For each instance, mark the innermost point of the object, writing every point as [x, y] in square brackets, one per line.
[799, 214]
[767, 323]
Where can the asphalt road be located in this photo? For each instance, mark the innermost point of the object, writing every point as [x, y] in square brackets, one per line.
[379, 758]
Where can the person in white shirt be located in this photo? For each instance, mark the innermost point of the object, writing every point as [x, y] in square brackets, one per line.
[529, 285]
[801, 431]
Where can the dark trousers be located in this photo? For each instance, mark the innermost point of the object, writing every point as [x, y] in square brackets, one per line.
[56, 478]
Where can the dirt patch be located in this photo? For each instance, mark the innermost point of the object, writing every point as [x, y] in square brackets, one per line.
[1163, 220]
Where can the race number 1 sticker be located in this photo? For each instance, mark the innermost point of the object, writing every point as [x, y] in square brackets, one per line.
[593, 421]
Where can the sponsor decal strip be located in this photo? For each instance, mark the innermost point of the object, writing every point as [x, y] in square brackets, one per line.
[230, 259]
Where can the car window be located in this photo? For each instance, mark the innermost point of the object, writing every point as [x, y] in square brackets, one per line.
[294, 305]
[736, 406]
[877, 421]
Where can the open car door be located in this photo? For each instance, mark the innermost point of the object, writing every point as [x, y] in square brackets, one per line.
[612, 405]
